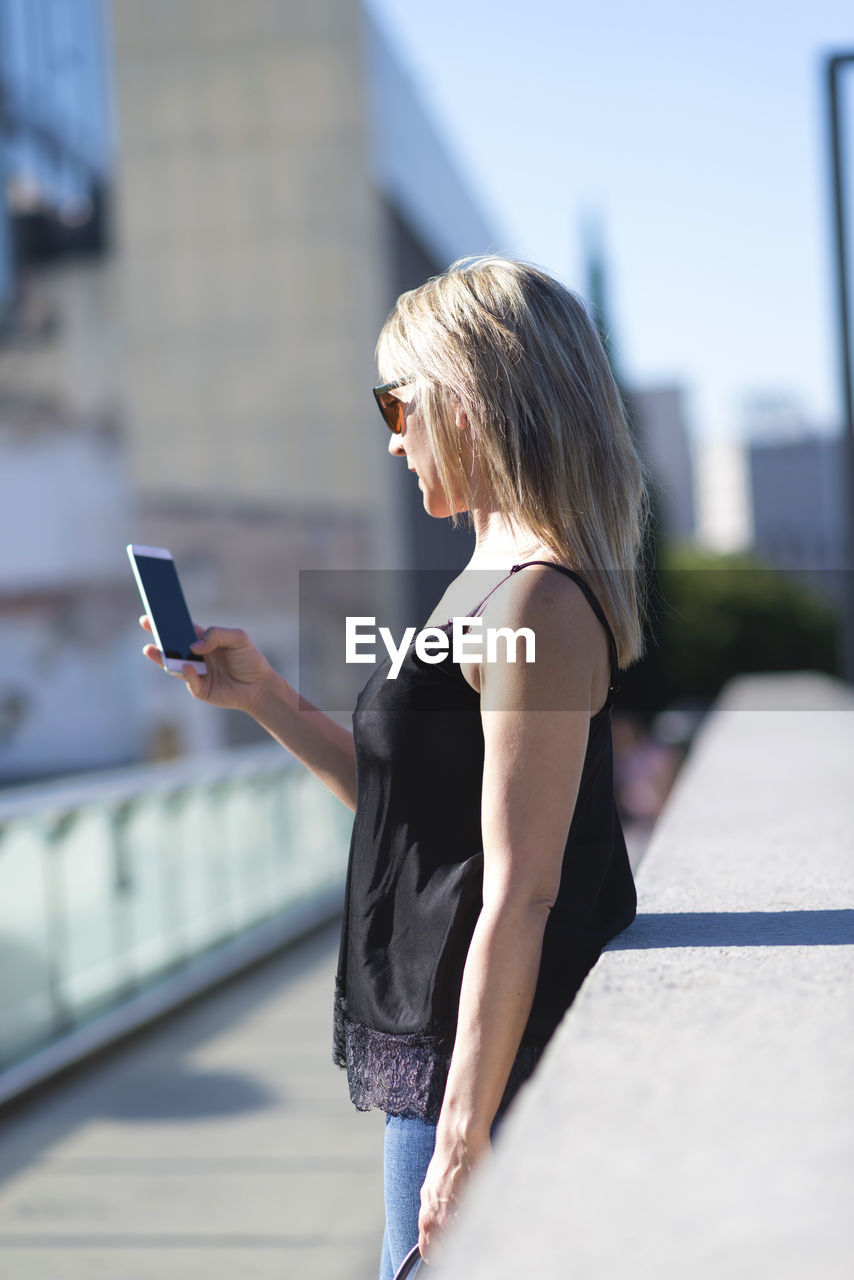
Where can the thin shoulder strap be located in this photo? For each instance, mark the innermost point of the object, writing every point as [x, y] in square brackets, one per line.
[475, 613]
[594, 605]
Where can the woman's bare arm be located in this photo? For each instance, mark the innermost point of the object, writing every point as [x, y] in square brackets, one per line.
[239, 677]
[324, 747]
[532, 769]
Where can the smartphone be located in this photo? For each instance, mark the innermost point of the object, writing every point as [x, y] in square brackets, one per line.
[171, 624]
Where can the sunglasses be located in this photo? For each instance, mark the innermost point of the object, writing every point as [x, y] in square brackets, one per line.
[392, 409]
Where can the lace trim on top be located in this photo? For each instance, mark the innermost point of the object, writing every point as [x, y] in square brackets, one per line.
[405, 1075]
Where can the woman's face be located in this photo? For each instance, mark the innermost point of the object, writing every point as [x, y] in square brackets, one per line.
[415, 446]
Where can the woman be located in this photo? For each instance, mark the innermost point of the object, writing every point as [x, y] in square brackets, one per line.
[487, 865]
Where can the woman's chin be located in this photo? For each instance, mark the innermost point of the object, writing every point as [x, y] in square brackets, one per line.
[435, 502]
[436, 506]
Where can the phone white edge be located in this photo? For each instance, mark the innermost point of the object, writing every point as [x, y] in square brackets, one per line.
[173, 666]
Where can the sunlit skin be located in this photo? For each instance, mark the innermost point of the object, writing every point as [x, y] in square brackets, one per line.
[533, 761]
[495, 540]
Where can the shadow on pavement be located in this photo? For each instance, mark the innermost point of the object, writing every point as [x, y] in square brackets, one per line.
[142, 1078]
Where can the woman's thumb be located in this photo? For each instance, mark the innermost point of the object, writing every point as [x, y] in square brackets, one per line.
[193, 679]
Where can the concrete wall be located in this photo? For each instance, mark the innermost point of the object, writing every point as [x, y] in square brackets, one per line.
[694, 1113]
[249, 268]
[251, 286]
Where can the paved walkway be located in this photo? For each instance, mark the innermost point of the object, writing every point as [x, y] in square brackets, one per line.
[222, 1143]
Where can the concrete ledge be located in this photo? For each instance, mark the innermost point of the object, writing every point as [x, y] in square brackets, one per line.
[694, 1113]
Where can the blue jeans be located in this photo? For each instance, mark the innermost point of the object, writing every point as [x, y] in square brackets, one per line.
[408, 1150]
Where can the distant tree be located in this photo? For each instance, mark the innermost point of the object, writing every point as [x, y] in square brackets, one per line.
[720, 616]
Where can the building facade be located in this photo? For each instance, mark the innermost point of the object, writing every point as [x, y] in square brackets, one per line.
[660, 417]
[798, 509]
[274, 184]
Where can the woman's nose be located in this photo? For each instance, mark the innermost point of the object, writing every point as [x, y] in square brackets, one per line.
[395, 447]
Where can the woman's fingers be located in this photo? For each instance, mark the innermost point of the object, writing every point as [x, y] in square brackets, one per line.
[145, 623]
[193, 679]
[219, 638]
[153, 654]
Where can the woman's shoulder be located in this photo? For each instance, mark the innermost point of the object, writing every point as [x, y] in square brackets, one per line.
[570, 642]
[477, 586]
[538, 592]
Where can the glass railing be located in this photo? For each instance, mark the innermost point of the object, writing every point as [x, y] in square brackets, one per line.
[111, 882]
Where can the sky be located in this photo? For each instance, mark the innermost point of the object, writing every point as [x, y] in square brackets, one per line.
[695, 137]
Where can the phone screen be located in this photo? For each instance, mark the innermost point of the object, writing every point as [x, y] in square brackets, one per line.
[168, 607]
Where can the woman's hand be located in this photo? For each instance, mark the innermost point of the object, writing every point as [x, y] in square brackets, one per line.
[445, 1180]
[237, 671]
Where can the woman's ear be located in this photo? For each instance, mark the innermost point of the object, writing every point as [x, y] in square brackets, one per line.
[463, 436]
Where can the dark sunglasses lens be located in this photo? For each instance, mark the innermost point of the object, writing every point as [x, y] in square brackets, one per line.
[392, 411]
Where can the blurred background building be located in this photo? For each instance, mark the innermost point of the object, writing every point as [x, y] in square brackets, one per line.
[209, 210]
[722, 494]
[797, 496]
[660, 418]
[67, 694]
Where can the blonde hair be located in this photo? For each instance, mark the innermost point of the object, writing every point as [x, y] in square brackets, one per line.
[518, 353]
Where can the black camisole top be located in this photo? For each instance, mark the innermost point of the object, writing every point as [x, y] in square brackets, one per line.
[415, 879]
